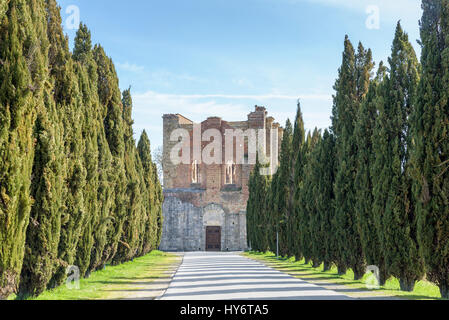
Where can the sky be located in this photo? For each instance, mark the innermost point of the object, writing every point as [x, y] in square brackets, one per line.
[203, 58]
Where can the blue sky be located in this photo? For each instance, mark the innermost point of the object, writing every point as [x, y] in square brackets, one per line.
[206, 58]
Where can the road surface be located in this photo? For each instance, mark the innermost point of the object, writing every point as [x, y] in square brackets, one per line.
[229, 276]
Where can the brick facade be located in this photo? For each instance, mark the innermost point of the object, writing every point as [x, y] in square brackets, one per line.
[200, 196]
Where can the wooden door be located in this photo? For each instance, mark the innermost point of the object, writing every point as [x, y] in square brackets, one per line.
[213, 239]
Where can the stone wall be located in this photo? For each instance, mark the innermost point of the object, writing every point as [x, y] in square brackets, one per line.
[185, 225]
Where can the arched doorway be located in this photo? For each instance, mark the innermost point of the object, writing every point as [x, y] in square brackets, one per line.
[213, 223]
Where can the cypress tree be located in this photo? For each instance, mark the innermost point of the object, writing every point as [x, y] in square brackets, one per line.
[324, 238]
[295, 174]
[430, 144]
[69, 104]
[365, 181]
[351, 87]
[22, 81]
[251, 210]
[70, 173]
[258, 216]
[283, 188]
[300, 166]
[83, 43]
[306, 203]
[85, 241]
[402, 258]
[95, 245]
[151, 202]
[43, 233]
[345, 88]
[157, 205]
[110, 99]
[313, 178]
[134, 218]
[272, 212]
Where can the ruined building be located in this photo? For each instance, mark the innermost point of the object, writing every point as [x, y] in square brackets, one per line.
[205, 204]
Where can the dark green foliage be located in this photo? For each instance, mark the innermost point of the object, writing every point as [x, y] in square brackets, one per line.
[256, 214]
[310, 219]
[295, 180]
[306, 207]
[69, 102]
[375, 188]
[367, 222]
[72, 183]
[324, 239]
[270, 203]
[351, 87]
[282, 195]
[154, 199]
[398, 224]
[83, 43]
[135, 219]
[22, 81]
[431, 144]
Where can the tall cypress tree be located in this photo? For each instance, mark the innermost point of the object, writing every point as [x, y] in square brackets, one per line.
[398, 222]
[151, 201]
[134, 218]
[22, 81]
[313, 197]
[351, 87]
[283, 188]
[43, 233]
[325, 238]
[69, 104]
[295, 173]
[304, 194]
[365, 181]
[67, 155]
[431, 147]
[110, 99]
[255, 210]
[88, 159]
[345, 88]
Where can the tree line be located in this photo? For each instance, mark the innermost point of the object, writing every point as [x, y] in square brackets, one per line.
[373, 189]
[74, 187]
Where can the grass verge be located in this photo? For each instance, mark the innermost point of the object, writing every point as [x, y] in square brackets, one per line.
[424, 290]
[115, 282]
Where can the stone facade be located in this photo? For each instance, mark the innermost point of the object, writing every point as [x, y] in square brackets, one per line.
[198, 195]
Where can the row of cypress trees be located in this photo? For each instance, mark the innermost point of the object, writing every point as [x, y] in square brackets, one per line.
[74, 187]
[372, 189]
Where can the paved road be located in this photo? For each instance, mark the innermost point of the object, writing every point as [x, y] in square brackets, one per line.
[229, 276]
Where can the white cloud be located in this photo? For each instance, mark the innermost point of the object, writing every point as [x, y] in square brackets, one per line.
[159, 96]
[130, 67]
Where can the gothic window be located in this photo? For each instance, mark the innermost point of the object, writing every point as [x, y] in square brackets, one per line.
[230, 173]
[195, 172]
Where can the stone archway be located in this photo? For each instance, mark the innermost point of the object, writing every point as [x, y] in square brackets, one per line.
[214, 216]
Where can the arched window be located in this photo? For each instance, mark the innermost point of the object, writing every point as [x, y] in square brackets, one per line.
[230, 173]
[195, 172]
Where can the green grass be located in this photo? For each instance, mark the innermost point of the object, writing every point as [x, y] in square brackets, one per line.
[105, 284]
[424, 290]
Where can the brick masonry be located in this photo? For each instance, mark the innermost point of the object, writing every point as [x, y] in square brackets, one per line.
[190, 208]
